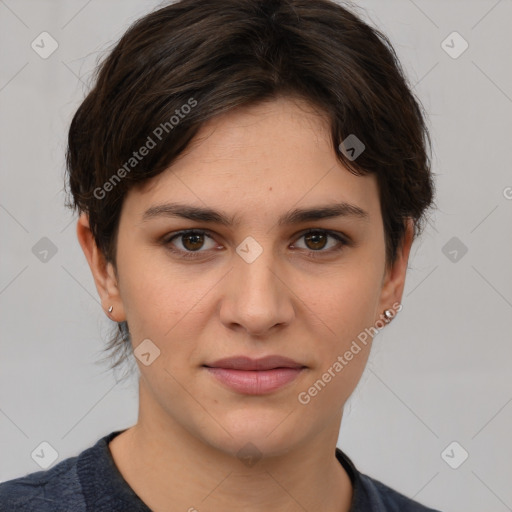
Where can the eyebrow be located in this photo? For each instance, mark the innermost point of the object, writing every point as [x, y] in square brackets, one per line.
[296, 216]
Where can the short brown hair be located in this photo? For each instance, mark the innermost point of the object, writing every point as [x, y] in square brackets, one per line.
[215, 55]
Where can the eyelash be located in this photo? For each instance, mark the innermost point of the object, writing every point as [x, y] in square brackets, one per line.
[312, 254]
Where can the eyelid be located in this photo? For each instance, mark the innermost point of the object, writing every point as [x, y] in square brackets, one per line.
[167, 239]
[342, 239]
[191, 231]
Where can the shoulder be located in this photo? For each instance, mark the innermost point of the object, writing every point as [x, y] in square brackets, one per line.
[53, 490]
[385, 498]
[371, 495]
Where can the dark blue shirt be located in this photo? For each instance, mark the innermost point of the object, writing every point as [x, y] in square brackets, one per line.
[91, 482]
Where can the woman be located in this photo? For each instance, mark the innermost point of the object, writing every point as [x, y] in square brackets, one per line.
[250, 176]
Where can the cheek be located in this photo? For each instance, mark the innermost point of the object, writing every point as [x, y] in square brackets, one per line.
[167, 304]
[344, 311]
[345, 301]
[155, 291]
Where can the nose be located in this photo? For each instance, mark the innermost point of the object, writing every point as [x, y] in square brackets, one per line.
[257, 298]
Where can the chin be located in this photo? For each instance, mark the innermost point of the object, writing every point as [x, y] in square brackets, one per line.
[256, 433]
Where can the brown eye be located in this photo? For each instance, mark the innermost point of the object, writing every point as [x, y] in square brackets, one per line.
[192, 241]
[316, 240]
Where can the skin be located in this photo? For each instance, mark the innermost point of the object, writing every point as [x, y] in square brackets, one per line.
[258, 163]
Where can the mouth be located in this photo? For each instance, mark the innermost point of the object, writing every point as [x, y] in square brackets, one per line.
[246, 363]
[255, 376]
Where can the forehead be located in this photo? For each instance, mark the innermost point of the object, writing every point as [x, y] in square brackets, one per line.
[259, 160]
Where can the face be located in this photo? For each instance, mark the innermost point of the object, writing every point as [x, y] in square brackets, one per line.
[257, 279]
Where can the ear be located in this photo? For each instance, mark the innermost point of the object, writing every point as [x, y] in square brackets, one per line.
[394, 278]
[104, 273]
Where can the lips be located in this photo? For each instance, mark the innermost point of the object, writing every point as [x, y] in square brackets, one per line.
[255, 376]
[246, 363]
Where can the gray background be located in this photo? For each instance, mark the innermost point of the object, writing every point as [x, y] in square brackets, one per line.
[440, 372]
